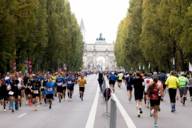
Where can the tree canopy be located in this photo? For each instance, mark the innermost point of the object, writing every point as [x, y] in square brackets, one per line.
[43, 31]
[157, 35]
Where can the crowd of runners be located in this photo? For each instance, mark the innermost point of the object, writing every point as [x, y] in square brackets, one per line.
[17, 89]
[149, 89]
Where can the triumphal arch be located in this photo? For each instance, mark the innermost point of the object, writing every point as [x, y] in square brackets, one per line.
[99, 55]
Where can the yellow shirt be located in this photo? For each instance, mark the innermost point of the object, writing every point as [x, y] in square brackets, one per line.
[82, 82]
[172, 82]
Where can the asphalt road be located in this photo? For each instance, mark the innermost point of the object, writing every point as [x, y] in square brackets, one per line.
[180, 119]
[75, 113]
[68, 114]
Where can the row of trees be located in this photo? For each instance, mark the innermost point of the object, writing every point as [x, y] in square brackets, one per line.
[155, 34]
[44, 31]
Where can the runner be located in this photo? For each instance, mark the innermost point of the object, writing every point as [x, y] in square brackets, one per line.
[112, 79]
[70, 79]
[129, 84]
[60, 83]
[119, 79]
[49, 90]
[172, 83]
[138, 92]
[35, 89]
[13, 94]
[100, 81]
[154, 92]
[183, 82]
[162, 78]
[3, 94]
[147, 82]
[81, 81]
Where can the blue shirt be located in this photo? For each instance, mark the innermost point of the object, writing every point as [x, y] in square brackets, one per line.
[112, 77]
[70, 81]
[50, 88]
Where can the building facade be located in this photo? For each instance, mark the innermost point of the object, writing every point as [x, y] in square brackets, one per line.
[99, 56]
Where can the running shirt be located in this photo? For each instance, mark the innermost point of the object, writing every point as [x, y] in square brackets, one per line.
[35, 88]
[112, 77]
[172, 82]
[155, 90]
[70, 81]
[183, 81]
[129, 81]
[120, 76]
[82, 82]
[8, 80]
[50, 87]
[60, 81]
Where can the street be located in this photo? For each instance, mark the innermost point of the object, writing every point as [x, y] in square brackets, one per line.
[75, 113]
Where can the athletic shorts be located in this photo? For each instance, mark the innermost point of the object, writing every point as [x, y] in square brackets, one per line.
[129, 88]
[49, 96]
[70, 88]
[64, 88]
[60, 89]
[154, 103]
[111, 82]
[35, 95]
[119, 81]
[82, 89]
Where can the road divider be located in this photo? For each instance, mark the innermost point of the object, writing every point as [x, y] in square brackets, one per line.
[115, 101]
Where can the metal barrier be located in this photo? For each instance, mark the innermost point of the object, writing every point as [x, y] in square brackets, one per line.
[113, 114]
[115, 104]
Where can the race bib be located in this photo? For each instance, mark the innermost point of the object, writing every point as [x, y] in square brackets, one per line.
[36, 92]
[11, 93]
[50, 89]
[59, 84]
[69, 82]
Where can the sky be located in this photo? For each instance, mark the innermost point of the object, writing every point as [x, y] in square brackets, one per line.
[100, 16]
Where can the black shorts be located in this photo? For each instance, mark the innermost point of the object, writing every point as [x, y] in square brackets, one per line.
[119, 81]
[60, 89]
[27, 91]
[82, 89]
[36, 95]
[49, 96]
[71, 88]
[129, 88]
[154, 103]
[111, 82]
[64, 88]
[4, 96]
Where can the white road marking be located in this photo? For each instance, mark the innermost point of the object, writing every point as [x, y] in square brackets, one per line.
[21, 115]
[92, 113]
[126, 117]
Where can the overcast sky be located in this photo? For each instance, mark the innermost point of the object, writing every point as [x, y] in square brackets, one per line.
[100, 16]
